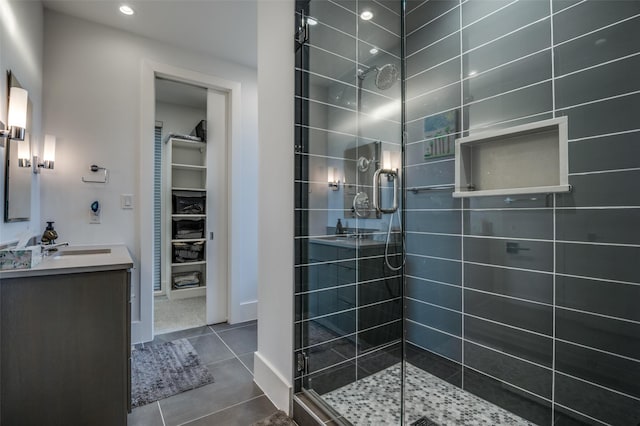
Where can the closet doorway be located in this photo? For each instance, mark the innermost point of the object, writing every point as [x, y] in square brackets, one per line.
[190, 276]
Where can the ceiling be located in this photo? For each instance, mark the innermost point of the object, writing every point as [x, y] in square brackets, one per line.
[181, 94]
[225, 29]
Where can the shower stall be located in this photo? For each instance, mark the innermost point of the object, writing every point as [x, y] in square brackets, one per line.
[413, 306]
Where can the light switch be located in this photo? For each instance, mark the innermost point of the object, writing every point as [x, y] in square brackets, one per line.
[126, 201]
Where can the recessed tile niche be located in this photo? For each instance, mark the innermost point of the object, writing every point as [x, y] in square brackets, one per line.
[527, 159]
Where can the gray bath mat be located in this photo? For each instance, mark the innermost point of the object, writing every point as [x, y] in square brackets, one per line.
[279, 418]
[159, 371]
[424, 421]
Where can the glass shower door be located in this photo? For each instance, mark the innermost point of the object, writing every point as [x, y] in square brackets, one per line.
[348, 253]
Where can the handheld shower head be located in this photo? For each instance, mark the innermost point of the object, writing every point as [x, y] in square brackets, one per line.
[386, 75]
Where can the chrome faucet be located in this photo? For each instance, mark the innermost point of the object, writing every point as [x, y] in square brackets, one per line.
[49, 248]
[358, 236]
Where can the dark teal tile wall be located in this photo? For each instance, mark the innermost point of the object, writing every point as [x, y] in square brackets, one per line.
[543, 287]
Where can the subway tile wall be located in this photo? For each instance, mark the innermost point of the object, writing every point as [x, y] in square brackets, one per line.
[529, 302]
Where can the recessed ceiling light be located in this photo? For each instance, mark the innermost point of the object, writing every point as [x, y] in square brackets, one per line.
[311, 21]
[374, 51]
[366, 15]
[126, 10]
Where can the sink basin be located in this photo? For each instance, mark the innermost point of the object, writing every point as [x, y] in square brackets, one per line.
[82, 252]
[347, 241]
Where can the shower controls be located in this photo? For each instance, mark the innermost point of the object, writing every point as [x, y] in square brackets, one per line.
[363, 164]
[361, 206]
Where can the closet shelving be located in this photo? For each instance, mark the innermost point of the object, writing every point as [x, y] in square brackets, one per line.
[185, 209]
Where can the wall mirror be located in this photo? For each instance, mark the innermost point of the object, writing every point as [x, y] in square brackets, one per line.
[360, 166]
[17, 180]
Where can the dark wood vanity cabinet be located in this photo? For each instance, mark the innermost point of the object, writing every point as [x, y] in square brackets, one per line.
[354, 278]
[65, 349]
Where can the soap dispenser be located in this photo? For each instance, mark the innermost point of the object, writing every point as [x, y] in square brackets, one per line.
[49, 235]
[339, 228]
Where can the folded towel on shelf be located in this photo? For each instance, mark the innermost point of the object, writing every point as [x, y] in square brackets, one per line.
[186, 137]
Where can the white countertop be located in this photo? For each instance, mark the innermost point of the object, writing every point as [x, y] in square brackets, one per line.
[76, 259]
[345, 242]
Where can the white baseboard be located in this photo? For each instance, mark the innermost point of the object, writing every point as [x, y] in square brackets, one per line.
[247, 311]
[136, 332]
[275, 387]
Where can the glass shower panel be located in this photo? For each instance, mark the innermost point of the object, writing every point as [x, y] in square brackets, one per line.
[516, 310]
[348, 254]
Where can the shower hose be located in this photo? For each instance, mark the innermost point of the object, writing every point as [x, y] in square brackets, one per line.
[386, 246]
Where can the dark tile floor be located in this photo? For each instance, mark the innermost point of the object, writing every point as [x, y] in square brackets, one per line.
[232, 399]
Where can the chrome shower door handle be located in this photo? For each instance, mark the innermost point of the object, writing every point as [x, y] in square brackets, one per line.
[391, 175]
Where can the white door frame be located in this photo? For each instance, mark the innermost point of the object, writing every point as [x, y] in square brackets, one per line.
[142, 330]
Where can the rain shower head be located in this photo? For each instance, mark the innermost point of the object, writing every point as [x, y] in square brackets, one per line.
[386, 75]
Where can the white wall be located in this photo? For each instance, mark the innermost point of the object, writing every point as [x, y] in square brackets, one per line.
[274, 358]
[21, 52]
[178, 119]
[92, 103]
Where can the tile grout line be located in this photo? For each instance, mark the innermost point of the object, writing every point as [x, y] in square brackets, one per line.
[553, 305]
[351, 335]
[161, 415]
[582, 414]
[609, 389]
[221, 410]
[352, 359]
[554, 295]
[232, 351]
[602, 351]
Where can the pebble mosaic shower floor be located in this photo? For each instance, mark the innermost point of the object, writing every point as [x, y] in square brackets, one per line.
[375, 400]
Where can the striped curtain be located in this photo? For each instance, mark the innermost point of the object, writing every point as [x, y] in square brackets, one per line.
[157, 214]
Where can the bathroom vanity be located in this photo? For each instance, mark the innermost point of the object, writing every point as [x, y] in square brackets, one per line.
[352, 274]
[65, 339]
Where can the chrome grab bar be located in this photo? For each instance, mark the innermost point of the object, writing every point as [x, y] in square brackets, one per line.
[391, 175]
[441, 187]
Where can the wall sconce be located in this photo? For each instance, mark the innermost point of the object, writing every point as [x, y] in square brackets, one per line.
[24, 151]
[17, 114]
[386, 159]
[389, 165]
[48, 156]
[391, 161]
[332, 177]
